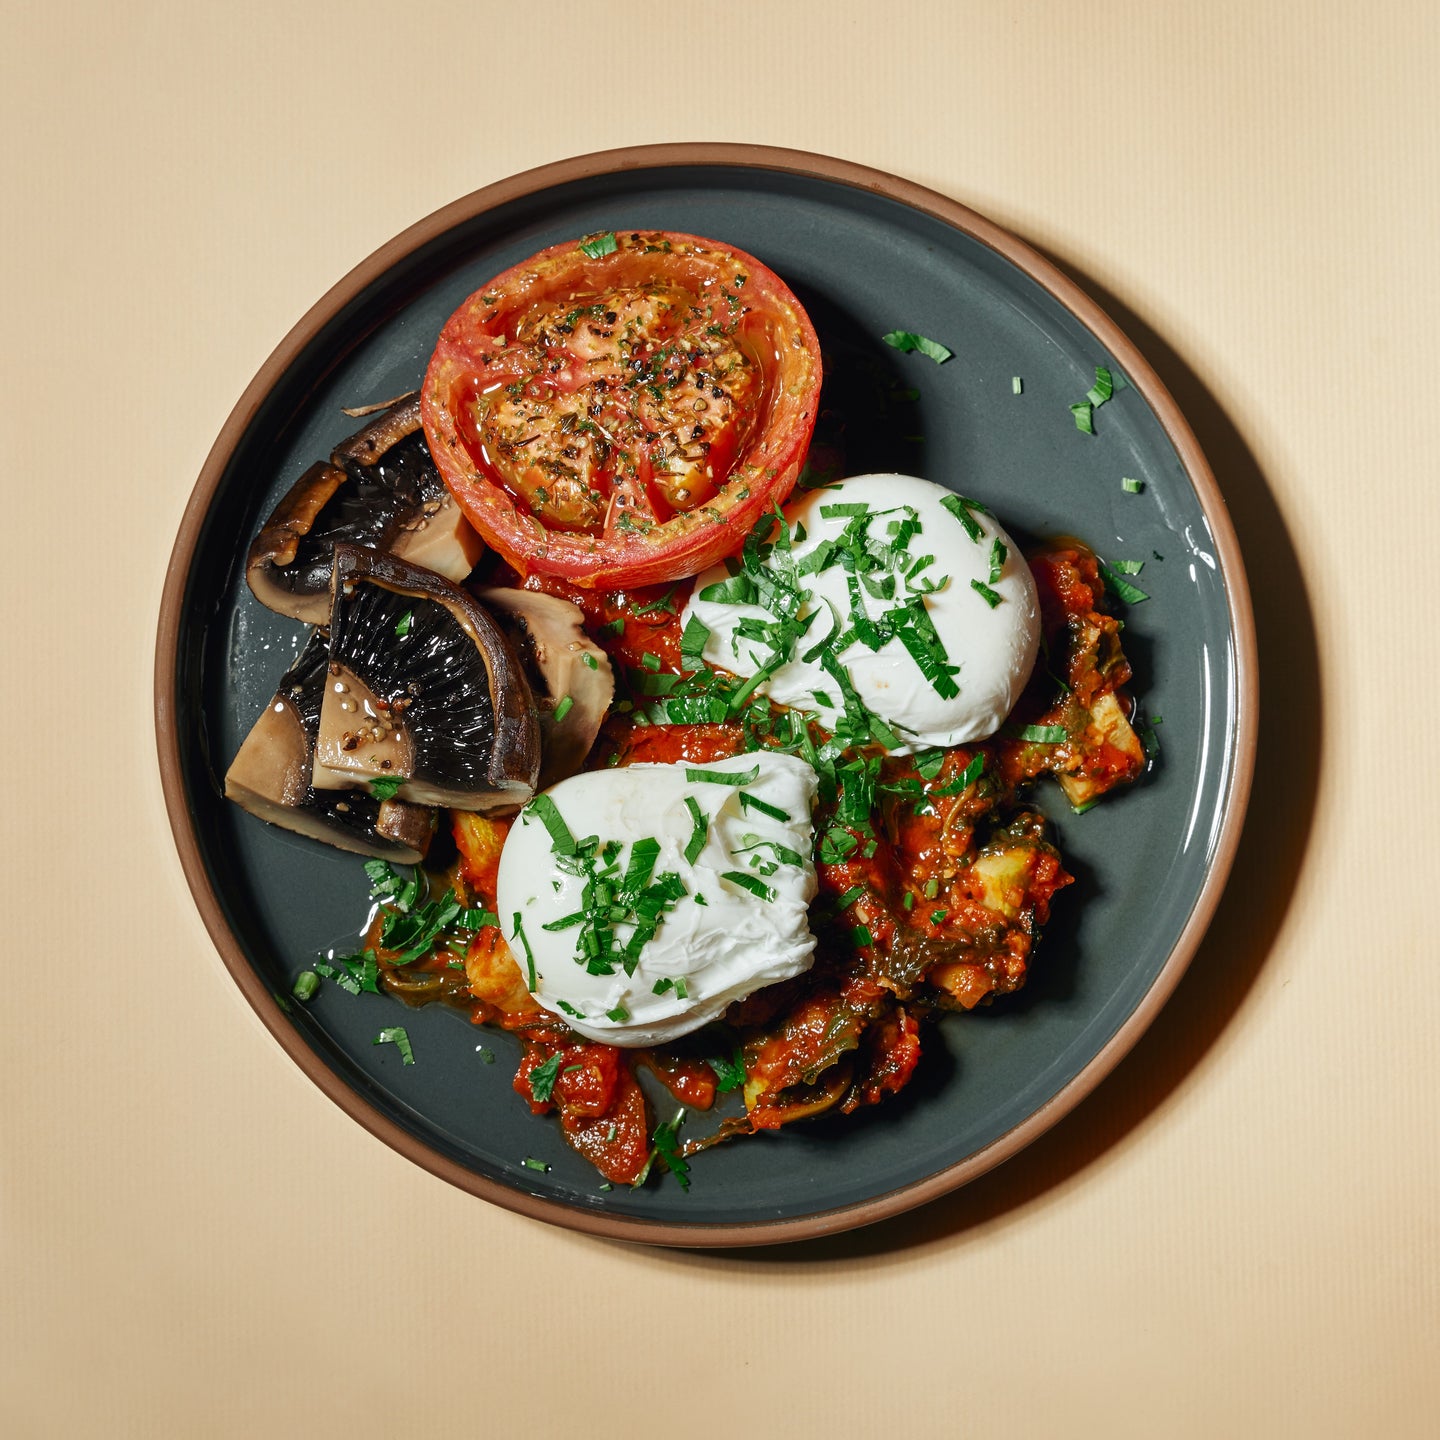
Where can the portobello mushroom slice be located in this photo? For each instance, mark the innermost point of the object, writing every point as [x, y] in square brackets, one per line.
[270, 777]
[423, 689]
[562, 664]
[379, 489]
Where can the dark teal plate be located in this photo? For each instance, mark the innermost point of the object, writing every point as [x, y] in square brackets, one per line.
[867, 254]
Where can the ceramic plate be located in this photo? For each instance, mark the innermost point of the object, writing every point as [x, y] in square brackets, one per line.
[866, 253]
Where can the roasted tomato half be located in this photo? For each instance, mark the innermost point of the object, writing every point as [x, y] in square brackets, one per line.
[621, 410]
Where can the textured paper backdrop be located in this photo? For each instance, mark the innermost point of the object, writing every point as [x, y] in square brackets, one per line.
[1236, 1235]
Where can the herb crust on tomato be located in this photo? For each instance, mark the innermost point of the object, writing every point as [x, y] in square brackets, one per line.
[621, 410]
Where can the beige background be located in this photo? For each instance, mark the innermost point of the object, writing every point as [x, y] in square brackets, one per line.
[1236, 1235]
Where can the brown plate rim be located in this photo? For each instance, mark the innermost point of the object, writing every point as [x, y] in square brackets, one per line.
[1026, 259]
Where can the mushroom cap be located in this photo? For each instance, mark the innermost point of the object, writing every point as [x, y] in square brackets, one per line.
[379, 489]
[549, 638]
[423, 687]
[270, 776]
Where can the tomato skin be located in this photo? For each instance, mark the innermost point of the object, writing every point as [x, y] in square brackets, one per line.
[756, 463]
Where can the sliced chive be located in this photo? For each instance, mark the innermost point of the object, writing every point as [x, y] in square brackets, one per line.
[937, 916]
[1102, 389]
[1131, 487]
[1127, 567]
[850, 896]
[531, 1163]
[1084, 413]
[613, 627]
[562, 708]
[932, 888]
[699, 830]
[307, 982]
[619, 1014]
[909, 341]
[861, 935]
[909, 901]
[395, 1035]
[1017, 385]
[588, 660]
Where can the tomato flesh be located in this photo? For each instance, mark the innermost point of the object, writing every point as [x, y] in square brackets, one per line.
[624, 419]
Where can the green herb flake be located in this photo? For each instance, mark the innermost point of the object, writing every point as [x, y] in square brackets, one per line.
[487, 1057]
[307, 983]
[1102, 389]
[403, 624]
[562, 708]
[543, 1078]
[749, 802]
[932, 889]
[1127, 567]
[1084, 413]
[1121, 588]
[908, 901]
[985, 593]
[861, 935]
[699, 830]
[850, 896]
[999, 553]
[615, 627]
[753, 883]
[596, 248]
[562, 841]
[667, 1147]
[692, 643]
[730, 1074]
[908, 341]
[1044, 734]
[1017, 386]
[588, 660]
[619, 1014]
[531, 1163]
[520, 935]
[724, 777]
[386, 786]
[1131, 486]
[938, 917]
[960, 508]
[395, 1035]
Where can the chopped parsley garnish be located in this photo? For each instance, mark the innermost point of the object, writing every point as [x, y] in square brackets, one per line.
[543, 1078]
[599, 246]
[908, 341]
[1044, 734]
[699, 830]
[750, 802]
[548, 813]
[385, 787]
[529, 955]
[960, 508]
[562, 708]
[724, 777]
[753, 883]
[729, 1074]
[665, 603]
[1119, 587]
[988, 595]
[692, 643]
[570, 1010]
[999, 552]
[667, 1147]
[403, 624]
[395, 1035]
[1131, 486]
[356, 972]
[1127, 567]
[411, 934]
